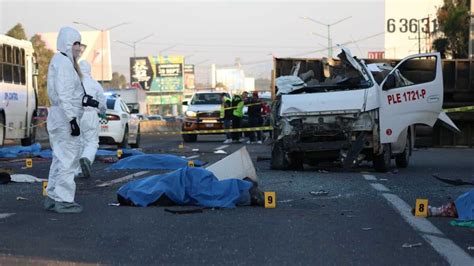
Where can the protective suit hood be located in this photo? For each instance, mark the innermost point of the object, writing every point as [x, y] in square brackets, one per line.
[66, 38]
[85, 67]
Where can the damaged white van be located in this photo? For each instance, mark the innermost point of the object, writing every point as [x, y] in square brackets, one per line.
[350, 111]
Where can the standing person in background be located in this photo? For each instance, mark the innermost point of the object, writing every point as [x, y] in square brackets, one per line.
[66, 96]
[226, 115]
[237, 114]
[90, 120]
[255, 118]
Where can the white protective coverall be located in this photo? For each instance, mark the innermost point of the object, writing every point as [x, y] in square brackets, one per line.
[90, 120]
[65, 95]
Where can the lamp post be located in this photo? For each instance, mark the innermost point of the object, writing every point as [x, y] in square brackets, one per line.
[328, 37]
[102, 40]
[134, 43]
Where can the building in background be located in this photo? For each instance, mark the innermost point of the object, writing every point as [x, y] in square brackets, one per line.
[162, 77]
[409, 26]
[97, 52]
[233, 79]
[376, 55]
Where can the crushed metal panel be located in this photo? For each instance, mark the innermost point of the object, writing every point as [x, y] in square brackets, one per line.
[237, 165]
[447, 122]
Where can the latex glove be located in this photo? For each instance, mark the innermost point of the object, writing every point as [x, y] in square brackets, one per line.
[75, 131]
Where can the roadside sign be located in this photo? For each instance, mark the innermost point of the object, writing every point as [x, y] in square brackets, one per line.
[421, 208]
[29, 163]
[119, 153]
[191, 163]
[270, 200]
[45, 184]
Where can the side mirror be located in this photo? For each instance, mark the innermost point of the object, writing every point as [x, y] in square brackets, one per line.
[389, 83]
[185, 103]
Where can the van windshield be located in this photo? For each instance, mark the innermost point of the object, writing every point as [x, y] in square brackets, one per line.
[207, 98]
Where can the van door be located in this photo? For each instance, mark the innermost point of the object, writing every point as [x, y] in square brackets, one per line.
[411, 94]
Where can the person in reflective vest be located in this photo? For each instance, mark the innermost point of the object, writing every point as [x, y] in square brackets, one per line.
[226, 115]
[237, 114]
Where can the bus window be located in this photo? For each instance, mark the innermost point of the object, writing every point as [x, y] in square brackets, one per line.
[16, 65]
[7, 64]
[1, 63]
[22, 67]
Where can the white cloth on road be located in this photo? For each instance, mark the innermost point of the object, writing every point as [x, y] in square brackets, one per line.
[65, 95]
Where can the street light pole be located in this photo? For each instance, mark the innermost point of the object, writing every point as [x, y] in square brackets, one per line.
[134, 43]
[328, 25]
[102, 41]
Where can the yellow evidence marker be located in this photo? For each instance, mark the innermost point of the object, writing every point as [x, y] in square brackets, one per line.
[181, 146]
[191, 163]
[29, 163]
[45, 184]
[421, 208]
[119, 153]
[270, 200]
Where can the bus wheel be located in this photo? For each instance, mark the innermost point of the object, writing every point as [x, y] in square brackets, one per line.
[32, 138]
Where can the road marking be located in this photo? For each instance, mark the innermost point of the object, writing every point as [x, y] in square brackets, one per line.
[451, 252]
[380, 187]
[5, 215]
[192, 157]
[122, 179]
[221, 147]
[370, 177]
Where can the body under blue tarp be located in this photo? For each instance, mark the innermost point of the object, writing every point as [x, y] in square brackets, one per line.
[153, 162]
[465, 206]
[34, 150]
[187, 186]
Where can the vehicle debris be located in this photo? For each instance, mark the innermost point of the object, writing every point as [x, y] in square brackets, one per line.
[319, 193]
[407, 245]
[367, 228]
[220, 152]
[21, 198]
[455, 182]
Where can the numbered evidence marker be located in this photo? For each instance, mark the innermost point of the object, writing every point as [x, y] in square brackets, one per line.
[181, 146]
[45, 184]
[119, 153]
[270, 199]
[29, 163]
[421, 208]
[191, 163]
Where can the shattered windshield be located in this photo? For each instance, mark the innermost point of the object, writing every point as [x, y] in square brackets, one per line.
[325, 74]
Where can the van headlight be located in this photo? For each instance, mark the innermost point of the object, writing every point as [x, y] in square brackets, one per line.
[190, 114]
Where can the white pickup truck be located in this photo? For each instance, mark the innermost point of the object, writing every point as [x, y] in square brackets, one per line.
[350, 111]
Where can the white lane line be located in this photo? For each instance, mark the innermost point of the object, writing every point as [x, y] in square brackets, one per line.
[5, 215]
[192, 157]
[380, 187]
[122, 179]
[370, 177]
[453, 254]
[221, 147]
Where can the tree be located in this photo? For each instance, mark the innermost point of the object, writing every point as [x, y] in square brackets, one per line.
[17, 32]
[454, 22]
[43, 57]
[118, 81]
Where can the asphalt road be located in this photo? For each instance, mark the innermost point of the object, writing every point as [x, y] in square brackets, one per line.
[363, 220]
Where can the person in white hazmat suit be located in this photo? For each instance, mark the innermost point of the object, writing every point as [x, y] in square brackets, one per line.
[66, 98]
[90, 120]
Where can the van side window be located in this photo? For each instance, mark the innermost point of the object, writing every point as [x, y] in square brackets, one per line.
[16, 65]
[414, 71]
[22, 67]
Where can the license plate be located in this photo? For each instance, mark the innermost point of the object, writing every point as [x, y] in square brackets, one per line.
[209, 125]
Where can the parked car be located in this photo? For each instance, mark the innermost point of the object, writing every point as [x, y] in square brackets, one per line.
[119, 127]
[140, 117]
[203, 113]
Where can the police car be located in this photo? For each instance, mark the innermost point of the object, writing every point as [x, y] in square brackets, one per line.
[119, 127]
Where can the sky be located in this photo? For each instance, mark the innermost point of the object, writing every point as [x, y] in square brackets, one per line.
[211, 32]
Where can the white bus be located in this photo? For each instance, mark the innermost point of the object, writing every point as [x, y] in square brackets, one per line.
[18, 93]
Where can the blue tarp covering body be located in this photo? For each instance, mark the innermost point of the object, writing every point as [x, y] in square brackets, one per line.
[16, 151]
[153, 162]
[35, 151]
[187, 186]
[465, 205]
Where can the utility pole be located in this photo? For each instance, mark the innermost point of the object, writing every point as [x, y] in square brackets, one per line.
[328, 25]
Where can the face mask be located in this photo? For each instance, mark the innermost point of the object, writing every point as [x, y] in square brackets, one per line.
[76, 51]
